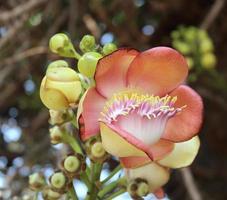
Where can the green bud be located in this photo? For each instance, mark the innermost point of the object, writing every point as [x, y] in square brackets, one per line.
[58, 42]
[138, 188]
[49, 194]
[208, 60]
[109, 48]
[56, 135]
[206, 46]
[71, 164]
[132, 188]
[97, 150]
[58, 180]
[62, 45]
[57, 63]
[53, 195]
[87, 63]
[87, 43]
[143, 189]
[182, 47]
[36, 181]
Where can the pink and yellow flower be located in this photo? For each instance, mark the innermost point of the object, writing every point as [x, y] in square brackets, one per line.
[142, 110]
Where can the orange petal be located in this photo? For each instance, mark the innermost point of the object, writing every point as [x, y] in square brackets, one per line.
[111, 71]
[157, 71]
[186, 124]
[92, 106]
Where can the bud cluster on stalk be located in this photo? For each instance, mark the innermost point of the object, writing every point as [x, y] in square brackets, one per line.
[62, 86]
[198, 48]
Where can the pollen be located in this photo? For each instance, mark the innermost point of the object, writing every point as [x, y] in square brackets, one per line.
[149, 106]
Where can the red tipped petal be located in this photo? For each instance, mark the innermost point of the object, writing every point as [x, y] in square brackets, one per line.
[157, 71]
[111, 71]
[159, 150]
[133, 162]
[186, 124]
[92, 106]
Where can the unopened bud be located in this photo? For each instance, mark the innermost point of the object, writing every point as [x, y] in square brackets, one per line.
[58, 117]
[71, 163]
[109, 48]
[138, 188]
[57, 63]
[62, 45]
[97, 150]
[208, 60]
[58, 181]
[60, 88]
[87, 63]
[36, 181]
[143, 189]
[56, 135]
[49, 194]
[58, 42]
[87, 43]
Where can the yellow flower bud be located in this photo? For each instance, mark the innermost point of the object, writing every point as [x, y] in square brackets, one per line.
[60, 87]
[208, 60]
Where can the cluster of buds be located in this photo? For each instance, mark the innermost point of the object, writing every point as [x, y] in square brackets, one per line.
[196, 45]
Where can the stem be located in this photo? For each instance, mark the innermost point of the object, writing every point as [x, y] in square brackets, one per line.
[85, 179]
[96, 169]
[77, 55]
[117, 193]
[117, 169]
[36, 195]
[72, 193]
[72, 142]
[110, 187]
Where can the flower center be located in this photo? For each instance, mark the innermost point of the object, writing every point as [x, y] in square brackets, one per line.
[143, 116]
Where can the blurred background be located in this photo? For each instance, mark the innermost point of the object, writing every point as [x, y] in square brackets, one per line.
[196, 28]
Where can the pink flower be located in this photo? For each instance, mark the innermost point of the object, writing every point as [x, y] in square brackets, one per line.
[140, 107]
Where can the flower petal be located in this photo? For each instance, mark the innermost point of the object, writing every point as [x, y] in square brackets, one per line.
[92, 106]
[157, 71]
[156, 175]
[183, 154]
[111, 71]
[119, 143]
[52, 98]
[71, 90]
[134, 161]
[186, 124]
[159, 150]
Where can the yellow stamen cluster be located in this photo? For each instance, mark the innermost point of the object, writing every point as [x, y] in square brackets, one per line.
[122, 103]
